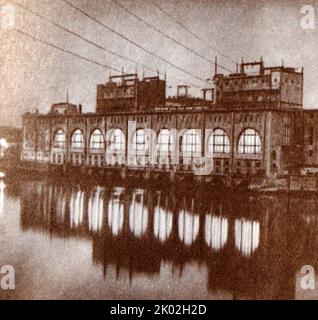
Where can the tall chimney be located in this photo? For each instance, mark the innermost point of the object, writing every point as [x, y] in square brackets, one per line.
[80, 108]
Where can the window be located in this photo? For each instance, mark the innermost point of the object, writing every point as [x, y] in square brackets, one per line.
[77, 141]
[117, 140]
[191, 143]
[97, 140]
[287, 135]
[219, 142]
[249, 142]
[140, 140]
[165, 141]
[59, 139]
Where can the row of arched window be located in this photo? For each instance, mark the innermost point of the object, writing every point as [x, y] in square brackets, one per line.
[249, 141]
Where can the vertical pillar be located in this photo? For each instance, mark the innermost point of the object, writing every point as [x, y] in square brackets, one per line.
[232, 143]
[266, 142]
[67, 135]
[86, 142]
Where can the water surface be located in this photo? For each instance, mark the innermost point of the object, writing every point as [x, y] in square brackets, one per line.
[69, 241]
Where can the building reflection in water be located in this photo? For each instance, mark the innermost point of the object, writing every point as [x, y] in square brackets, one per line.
[188, 223]
[116, 211]
[96, 209]
[138, 213]
[247, 236]
[76, 208]
[163, 219]
[216, 231]
[247, 245]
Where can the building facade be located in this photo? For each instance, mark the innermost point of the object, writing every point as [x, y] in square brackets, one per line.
[253, 125]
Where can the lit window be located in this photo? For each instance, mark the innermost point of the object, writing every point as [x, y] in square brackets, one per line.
[191, 143]
[77, 141]
[117, 140]
[140, 140]
[165, 141]
[249, 142]
[219, 142]
[59, 139]
[97, 140]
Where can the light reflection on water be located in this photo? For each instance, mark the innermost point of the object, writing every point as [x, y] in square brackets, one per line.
[149, 243]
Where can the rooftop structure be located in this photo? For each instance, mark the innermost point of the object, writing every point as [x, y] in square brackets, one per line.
[256, 86]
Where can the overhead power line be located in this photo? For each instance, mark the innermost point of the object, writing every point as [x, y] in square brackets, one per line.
[66, 51]
[191, 32]
[81, 37]
[166, 35]
[93, 43]
[133, 42]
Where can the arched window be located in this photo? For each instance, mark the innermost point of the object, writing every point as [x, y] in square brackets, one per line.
[191, 143]
[219, 142]
[59, 139]
[140, 141]
[77, 141]
[249, 142]
[165, 141]
[97, 140]
[117, 140]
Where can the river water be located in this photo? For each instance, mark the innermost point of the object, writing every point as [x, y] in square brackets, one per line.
[78, 241]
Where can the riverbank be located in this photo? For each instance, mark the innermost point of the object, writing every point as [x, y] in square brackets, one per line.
[183, 179]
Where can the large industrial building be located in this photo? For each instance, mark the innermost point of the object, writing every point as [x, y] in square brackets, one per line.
[249, 123]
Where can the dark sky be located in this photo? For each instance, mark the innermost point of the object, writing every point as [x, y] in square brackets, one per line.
[34, 75]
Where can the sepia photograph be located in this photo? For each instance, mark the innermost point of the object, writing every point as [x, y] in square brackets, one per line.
[162, 150]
